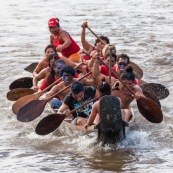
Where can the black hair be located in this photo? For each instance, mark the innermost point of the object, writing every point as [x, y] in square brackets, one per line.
[51, 76]
[123, 56]
[102, 38]
[104, 87]
[68, 69]
[77, 87]
[113, 56]
[58, 61]
[58, 25]
[128, 74]
[50, 46]
[52, 56]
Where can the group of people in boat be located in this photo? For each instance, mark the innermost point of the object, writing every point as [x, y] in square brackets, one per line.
[82, 70]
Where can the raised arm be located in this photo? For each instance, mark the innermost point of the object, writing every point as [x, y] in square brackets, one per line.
[87, 46]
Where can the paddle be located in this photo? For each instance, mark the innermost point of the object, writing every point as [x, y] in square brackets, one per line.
[17, 93]
[26, 99]
[137, 70]
[53, 121]
[158, 90]
[34, 108]
[31, 67]
[24, 82]
[147, 107]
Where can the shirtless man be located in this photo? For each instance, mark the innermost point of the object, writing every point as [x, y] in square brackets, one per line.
[119, 90]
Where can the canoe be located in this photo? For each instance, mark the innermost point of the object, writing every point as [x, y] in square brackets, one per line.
[66, 126]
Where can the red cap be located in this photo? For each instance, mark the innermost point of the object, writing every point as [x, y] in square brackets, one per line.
[53, 22]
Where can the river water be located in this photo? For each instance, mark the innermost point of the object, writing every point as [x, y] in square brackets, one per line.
[142, 29]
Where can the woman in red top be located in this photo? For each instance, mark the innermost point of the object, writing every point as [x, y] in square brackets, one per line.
[63, 42]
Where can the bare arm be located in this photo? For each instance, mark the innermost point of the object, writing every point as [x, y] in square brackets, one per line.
[63, 107]
[64, 36]
[93, 114]
[38, 68]
[88, 47]
[38, 77]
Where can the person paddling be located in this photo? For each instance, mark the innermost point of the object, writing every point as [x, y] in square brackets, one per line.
[122, 92]
[63, 42]
[44, 63]
[79, 94]
[98, 45]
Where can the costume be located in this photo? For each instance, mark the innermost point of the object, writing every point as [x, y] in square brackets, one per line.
[72, 103]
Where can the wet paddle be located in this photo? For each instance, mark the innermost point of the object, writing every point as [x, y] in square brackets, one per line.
[24, 82]
[158, 90]
[147, 107]
[137, 70]
[53, 121]
[26, 99]
[17, 93]
[35, 107]
[31, 67]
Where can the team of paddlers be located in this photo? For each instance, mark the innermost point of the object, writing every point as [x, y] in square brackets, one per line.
[80, 74]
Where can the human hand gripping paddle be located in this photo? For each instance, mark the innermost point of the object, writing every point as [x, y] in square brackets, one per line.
[147, 107]
[26, 99]
[137, 70]
[53, 121]
[154, 91]
[34, 108]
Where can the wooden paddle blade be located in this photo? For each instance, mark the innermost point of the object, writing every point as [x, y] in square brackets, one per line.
[25, 82]
[141, 82]
[150, 110]
[31, 67]
[151, 96]
[49, 124]
[31, 110]
[159, 90]
[17, 93]
[136, 69]
[23, 101]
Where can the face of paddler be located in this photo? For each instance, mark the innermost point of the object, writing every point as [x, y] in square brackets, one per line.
[79, 97]
[53, 30]
[58, 68]
[100, 46]
[122, 64]
[67, 77]
[48, 52]
[108, 60]
[129, 83]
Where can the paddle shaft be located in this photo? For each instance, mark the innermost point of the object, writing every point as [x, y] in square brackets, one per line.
[96, 35]
[116, 74]
[84, 104]
[58, 80]
[68, 86]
